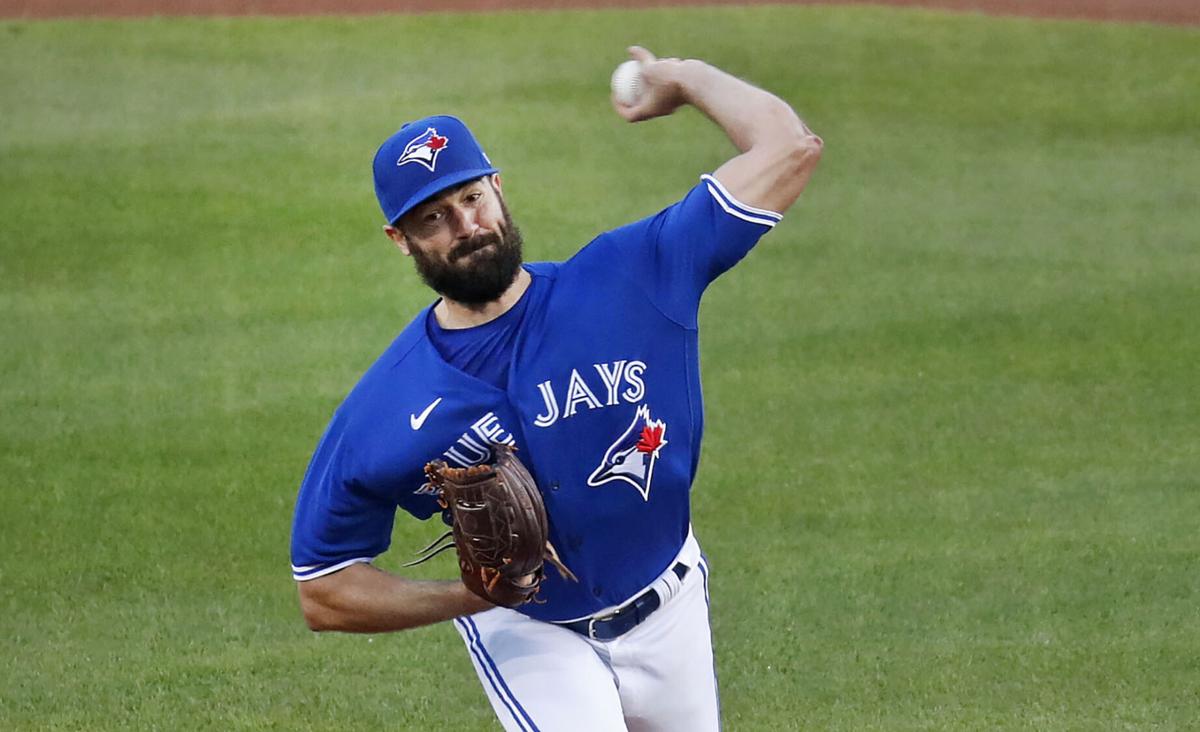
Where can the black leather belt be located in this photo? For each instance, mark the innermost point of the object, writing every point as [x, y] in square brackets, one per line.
[625, 618]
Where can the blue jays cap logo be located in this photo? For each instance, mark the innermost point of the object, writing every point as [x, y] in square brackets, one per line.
[424, 149]
[631, 458]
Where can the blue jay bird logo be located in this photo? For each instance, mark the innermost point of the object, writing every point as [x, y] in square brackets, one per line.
[631, 458]
[424, 149]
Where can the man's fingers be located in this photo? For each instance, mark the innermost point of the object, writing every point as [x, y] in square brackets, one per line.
[640, 54]
[650, 103]
[627, 112]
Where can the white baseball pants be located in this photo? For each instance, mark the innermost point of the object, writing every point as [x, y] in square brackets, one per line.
[659, 676]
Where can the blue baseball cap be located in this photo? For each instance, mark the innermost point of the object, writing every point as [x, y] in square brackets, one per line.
[424, 158]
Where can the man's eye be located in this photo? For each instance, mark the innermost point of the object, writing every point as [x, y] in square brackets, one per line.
[433, 217]
[474, 197]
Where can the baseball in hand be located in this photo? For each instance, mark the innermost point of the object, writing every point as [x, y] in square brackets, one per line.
[627, 83]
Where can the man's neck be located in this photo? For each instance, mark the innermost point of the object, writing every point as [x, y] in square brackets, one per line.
[453, 315]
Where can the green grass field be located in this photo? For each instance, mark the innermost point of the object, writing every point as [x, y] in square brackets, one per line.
[951, 474]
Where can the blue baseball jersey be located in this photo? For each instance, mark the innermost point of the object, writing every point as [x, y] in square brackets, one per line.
[602, 400]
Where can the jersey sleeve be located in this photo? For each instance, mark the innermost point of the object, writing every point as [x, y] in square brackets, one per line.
[339, 519]
[689, 244]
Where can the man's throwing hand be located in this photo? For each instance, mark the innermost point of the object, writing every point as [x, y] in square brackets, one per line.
[660, 93]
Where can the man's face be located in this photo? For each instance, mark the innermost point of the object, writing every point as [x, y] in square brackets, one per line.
[464, 243]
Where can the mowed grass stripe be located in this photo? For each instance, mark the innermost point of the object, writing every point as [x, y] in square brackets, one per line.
[949, 480]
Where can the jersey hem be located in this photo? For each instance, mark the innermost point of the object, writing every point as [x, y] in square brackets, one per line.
[689, 553]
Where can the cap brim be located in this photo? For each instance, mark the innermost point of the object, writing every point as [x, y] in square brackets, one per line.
[435, 187]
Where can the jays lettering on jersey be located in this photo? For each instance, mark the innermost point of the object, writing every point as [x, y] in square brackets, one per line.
[603, 402]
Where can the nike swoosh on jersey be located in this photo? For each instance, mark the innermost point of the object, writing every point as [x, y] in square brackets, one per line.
[415, 420]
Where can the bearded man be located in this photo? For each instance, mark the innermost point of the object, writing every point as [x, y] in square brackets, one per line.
[591, 368]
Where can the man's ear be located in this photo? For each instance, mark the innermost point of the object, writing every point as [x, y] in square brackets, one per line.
[496, 182]
[398, 237]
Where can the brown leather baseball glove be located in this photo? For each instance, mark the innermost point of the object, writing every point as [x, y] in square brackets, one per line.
[499, 527]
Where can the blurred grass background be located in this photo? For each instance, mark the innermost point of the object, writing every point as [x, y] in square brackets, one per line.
[950, 480]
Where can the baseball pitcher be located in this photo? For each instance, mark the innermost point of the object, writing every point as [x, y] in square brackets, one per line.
[550, 413]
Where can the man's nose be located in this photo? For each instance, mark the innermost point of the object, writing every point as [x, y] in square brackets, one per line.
[465, 224]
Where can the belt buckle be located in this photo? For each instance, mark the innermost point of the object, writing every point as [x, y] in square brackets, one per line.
[591, 626]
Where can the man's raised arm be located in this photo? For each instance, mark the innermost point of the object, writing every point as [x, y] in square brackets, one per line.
[778, 151]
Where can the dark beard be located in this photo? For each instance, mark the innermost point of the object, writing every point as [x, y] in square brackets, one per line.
[483, 278]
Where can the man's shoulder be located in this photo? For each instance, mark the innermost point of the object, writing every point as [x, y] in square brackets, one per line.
[630, 237]
[606, 248]
[544, 270]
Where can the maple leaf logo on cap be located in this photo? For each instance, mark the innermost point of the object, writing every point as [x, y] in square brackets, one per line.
[424, 149]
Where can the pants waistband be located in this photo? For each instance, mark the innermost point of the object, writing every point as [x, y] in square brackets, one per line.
[625, 618]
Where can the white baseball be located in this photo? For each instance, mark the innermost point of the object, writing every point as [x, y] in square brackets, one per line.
[627, 83]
